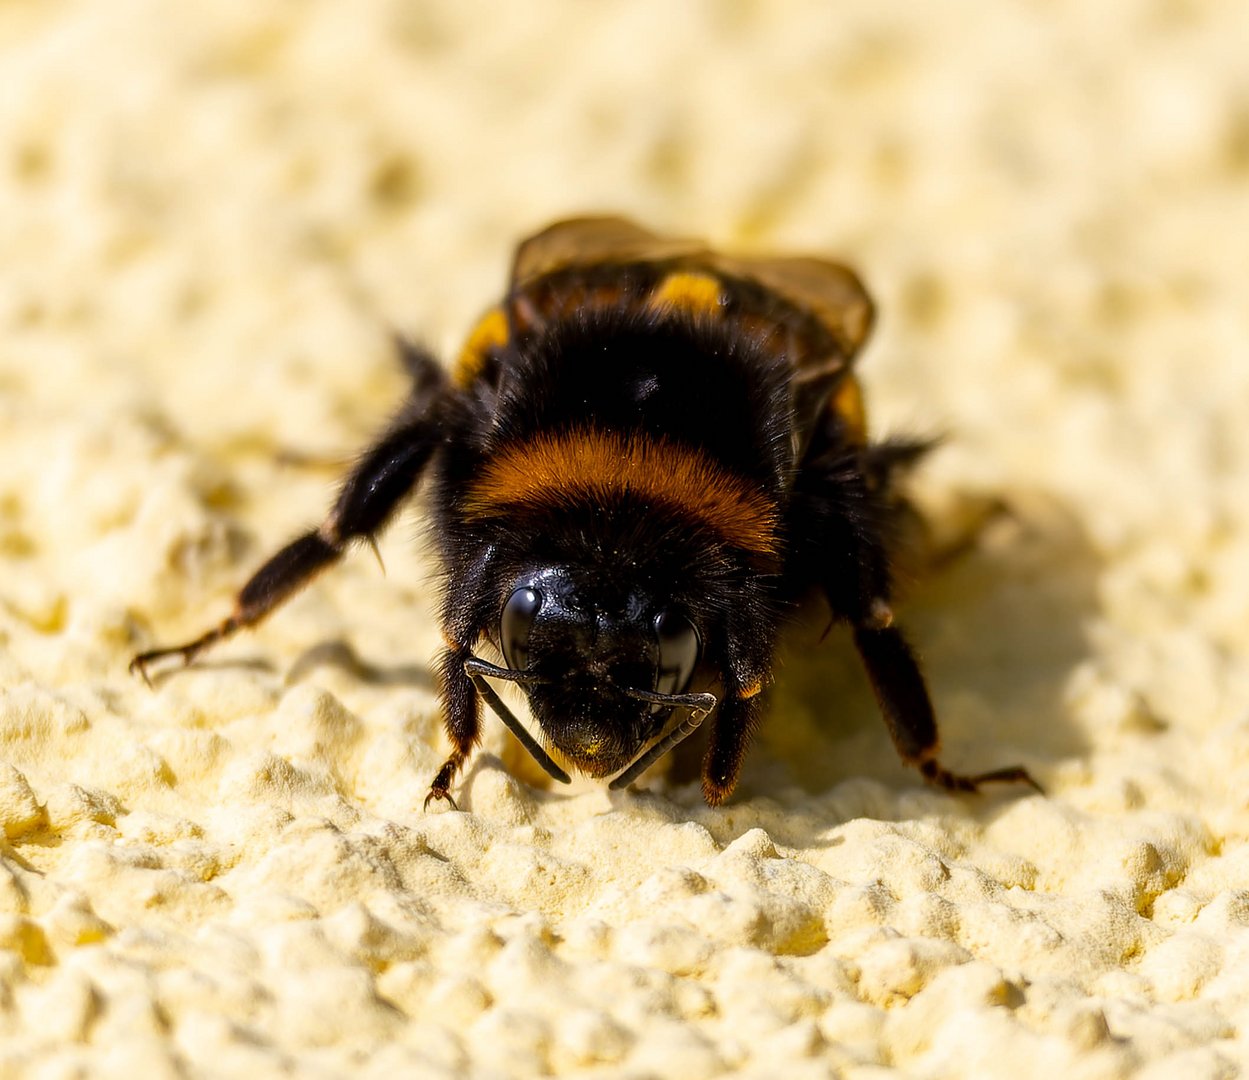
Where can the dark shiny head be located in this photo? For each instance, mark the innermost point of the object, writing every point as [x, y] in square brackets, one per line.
[589, 644]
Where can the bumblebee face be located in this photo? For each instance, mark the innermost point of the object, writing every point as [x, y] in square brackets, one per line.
[590, 650]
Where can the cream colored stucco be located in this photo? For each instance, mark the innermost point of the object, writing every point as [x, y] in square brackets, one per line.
[211, 218]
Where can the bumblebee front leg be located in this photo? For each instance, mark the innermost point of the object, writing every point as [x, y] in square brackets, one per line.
[732, 726]
[388, 471]
[461, 717]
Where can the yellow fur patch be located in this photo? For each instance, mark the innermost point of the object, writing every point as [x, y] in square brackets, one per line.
[594, 466]
[688, 291]
[747, 692]
[489, 333]
[848, 404]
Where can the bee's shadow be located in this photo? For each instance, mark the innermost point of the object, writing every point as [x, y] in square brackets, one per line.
[999, 631]
[342, 655]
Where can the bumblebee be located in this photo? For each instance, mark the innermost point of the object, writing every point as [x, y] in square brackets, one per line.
[645, 457]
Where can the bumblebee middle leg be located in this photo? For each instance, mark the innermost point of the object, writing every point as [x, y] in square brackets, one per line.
[906, 707]
[386, 474]
[844, 512]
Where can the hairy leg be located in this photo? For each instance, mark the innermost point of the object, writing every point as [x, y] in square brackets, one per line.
[383, 477]
[844, 516]
[461, 717]
[907, 710]
[732, 726]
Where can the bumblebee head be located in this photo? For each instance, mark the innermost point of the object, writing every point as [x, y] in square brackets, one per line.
[598, 656]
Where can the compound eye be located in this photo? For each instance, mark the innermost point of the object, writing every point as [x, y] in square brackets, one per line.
[515, 625]
[679, 646]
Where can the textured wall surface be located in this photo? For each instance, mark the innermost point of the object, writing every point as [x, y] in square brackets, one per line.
[211, 217]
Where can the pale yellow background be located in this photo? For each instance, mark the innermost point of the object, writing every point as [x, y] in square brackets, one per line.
[211, 217]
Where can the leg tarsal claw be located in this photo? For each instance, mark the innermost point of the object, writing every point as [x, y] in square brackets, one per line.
[436, 795]
[935, 773]
[440, 789]
[140, 664]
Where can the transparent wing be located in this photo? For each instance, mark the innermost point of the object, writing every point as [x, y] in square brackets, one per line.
[830, 292]
[590, 241]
